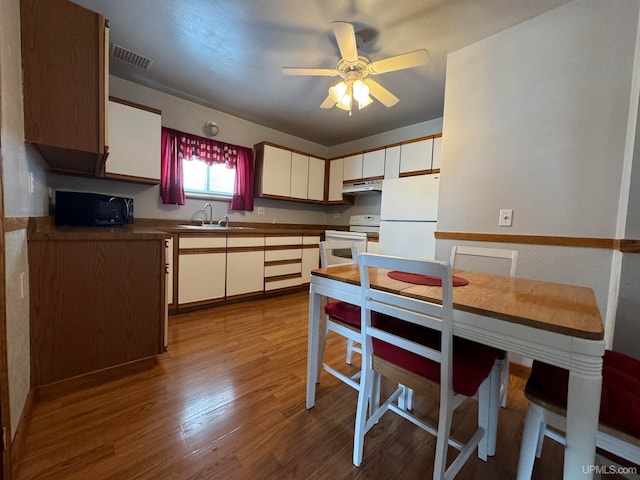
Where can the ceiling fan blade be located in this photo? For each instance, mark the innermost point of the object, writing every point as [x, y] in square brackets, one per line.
[328, 102]
[400, 62]
[319, 72]
[385, 97]
[346, 38]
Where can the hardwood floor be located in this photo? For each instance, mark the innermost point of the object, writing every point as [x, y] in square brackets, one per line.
[228, 402]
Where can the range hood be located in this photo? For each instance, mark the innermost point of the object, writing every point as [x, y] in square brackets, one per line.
[369, 186]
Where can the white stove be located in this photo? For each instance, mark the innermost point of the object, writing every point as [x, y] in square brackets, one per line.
[359, 227]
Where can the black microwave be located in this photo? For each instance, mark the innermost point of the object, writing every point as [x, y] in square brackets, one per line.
[92, 209]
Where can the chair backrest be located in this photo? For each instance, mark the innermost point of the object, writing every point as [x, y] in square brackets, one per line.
[332, 252]
[407, 309]
[500, 253]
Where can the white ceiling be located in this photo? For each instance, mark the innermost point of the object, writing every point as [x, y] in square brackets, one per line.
[227, 54]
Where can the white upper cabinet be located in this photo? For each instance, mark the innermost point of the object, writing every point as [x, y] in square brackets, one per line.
[437, 153]
[276, 172]
[134, 143]
[416, 156]
[299, 175]
[336, 168]
[373, 164]
[392, 162]
[315, 183]
[352, 168]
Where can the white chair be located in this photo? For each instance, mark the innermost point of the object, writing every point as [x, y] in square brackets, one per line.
[396, 327]
[495, 253]
[619, 428]
[350, 331]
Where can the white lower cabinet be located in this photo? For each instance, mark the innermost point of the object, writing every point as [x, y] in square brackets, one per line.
[310, 256]
[282, 261]
[201, 269]
[245, 265]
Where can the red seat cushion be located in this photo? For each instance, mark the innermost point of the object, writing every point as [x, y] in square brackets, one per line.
[620, 398]
[344, 312]
[472, 362]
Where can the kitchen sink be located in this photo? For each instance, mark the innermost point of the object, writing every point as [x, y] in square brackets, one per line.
[208, 226]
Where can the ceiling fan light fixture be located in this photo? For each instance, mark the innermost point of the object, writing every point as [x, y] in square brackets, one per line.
[363, 103]
[338, 91]
[360, 91]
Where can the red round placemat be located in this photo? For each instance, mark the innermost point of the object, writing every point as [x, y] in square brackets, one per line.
[425, 279]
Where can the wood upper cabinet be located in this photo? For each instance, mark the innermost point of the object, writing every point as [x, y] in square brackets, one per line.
[336, 168]
[373, 164]
[315, 190]
[134, 142]
[415, 157]
[352, 168]
[273, 171]
[65, 74]
[392, 162]
[299, 175]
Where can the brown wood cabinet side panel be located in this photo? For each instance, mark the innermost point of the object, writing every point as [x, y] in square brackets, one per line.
[62, 62]
[94, 305]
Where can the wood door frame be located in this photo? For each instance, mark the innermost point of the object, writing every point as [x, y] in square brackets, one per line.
[5, 419]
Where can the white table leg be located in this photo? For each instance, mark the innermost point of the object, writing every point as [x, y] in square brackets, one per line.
[583, 407]
[313, 337]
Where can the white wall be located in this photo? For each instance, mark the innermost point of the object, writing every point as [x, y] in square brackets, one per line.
[18, 164]
[535, 120]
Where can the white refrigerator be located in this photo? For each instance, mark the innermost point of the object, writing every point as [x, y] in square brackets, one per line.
[408, 216]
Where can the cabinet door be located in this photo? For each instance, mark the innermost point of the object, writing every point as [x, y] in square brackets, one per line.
[299, 175]
[373, 164]
[134, 143]
[416, 156]
[392, 162]
[276, 173]
[335, 180]
[310, 256]
[201, 277]
[437, 153]
[316, 179]
[352, 167]
[64, 81]
[245, 265]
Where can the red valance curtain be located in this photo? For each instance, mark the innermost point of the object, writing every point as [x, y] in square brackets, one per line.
[177, 146]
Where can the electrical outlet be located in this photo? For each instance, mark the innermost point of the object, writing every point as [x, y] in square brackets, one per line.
[22, 275]
[260, 210]
[31, 182]
[506, 218]
[336, 215]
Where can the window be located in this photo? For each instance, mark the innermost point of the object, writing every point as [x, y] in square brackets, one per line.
[202, 179]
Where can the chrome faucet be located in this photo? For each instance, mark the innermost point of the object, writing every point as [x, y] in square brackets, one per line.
[224, 222]
[204, 209]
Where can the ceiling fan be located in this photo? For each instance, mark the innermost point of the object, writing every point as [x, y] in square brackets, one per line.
[355, 69]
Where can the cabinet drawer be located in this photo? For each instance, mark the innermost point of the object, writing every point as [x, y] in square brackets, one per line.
[284, 269]
[203, 242]
[242, 241]
[311, 240]
[287, 282]
[286, 240]
[276, 255]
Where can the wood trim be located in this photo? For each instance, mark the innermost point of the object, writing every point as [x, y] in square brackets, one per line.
[17, 445]
[188, 306]
[197, 251]
[413, 173]
[15, 223]
[283, 277]
[628, 245]
[62, 387]
[131, 178]
[283, 262]
[310, 245]
[245, 249]
[291, 246]
[584, 242]
[135, 105]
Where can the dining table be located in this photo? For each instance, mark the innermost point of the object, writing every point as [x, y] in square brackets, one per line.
[555, 323]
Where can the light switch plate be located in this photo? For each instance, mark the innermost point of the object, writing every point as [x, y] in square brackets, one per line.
[506, 218]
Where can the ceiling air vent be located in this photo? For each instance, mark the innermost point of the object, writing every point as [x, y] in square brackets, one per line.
[132, 58]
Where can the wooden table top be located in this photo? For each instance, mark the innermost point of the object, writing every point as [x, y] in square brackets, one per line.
[561, 308]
